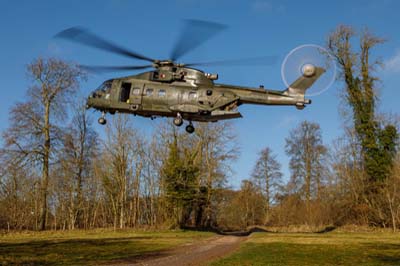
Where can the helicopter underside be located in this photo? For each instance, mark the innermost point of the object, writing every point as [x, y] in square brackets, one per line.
[179, 117]
[213, 116]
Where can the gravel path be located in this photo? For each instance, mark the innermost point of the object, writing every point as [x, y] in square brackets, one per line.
[197, 253]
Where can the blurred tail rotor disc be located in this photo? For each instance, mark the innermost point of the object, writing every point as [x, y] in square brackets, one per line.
[302, 60]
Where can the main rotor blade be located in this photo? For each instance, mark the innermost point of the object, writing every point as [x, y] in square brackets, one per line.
[193, 34]
[251, 61]
[112, 68]
[80, 35]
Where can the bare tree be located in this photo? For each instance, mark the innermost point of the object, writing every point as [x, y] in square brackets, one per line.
[17, 198]
[123, 158]
[80, 145]
[306, 150]
[33, 131]
[267, 175]
[391, 192]
[217, 149]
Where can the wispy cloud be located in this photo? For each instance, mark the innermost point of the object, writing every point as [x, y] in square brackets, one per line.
[261, 5]
[393, 63]
[264, 6]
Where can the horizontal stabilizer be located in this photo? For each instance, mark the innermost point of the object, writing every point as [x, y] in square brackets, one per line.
[306, 81]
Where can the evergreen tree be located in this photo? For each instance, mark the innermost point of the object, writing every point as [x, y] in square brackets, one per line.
[180, 175]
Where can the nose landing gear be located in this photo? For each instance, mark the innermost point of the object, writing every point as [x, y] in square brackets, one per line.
[178, 121]
[102, 120]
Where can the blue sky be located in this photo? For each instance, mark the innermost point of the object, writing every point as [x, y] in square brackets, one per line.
[256, 28]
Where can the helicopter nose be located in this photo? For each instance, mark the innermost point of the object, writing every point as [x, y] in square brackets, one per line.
[89, 101]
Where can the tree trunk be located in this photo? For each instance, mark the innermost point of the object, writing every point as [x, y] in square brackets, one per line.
[45, 174]
[268, 196]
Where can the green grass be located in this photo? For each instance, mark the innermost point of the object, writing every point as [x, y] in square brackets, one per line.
[317, 249]
[88, 247]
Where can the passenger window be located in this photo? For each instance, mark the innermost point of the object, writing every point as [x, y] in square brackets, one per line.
[161, 93]
[192, 95]
[136, 91]
[149, 92]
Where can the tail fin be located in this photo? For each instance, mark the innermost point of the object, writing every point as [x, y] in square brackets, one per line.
[305, 81]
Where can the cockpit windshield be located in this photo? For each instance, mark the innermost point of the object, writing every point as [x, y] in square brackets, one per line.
[105, 87]
[103, 90]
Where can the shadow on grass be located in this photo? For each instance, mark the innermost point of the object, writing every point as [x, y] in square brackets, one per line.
[227, 232]
[387, 254]
[257, 229]
[254, 229]
[326, 230]
[80, 251]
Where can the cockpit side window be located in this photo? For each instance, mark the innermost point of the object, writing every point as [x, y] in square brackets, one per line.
[103, 90]
[105, 87]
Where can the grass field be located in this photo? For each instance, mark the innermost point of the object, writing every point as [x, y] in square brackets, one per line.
[317, 249]
[106, 246]
[88, 247]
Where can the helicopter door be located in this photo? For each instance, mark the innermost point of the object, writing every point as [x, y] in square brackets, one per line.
[125, 92]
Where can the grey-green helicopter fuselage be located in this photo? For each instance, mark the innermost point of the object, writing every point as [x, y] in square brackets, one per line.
[190, 94]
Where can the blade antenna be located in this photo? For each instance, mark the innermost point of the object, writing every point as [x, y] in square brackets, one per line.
[83, 36]
[193, 34]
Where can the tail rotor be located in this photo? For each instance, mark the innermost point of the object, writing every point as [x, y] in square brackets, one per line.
[307, 61]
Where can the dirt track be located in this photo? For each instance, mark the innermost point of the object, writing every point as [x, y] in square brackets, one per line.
[192, 254]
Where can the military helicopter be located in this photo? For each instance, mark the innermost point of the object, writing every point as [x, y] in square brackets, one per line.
[178, 90]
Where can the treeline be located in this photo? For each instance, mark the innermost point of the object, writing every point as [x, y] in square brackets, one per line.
[58, 173]
[166, 180]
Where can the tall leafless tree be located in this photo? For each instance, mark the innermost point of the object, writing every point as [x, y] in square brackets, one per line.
[268, 176]
[80, 144]
[306, 150]
[34, 130]
[124, 159]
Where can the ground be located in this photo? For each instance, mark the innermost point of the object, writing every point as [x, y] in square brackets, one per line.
[120, 248]
[332, 248]
[92, 247]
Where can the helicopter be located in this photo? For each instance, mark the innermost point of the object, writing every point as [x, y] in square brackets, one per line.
[178, 90]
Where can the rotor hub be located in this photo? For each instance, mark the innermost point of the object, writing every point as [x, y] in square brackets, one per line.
[308, 70]
[163, 63]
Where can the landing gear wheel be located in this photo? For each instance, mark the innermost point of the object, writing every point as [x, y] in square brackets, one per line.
[190, 128]
[102, 121]
[178, 121]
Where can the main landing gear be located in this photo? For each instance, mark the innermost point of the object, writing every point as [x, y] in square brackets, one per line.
[102, 120]
[178, 121]
[190, 128]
